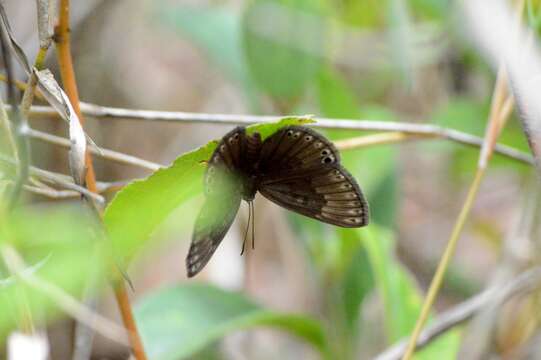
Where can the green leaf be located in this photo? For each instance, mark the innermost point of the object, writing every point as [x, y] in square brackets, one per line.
[336, 98]
[216, 30]
[138, 209]
[281, 39]
[57, 240]
[357, 284]
[400, 296]
[178, 322]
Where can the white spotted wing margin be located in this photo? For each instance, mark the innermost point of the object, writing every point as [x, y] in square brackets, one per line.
[329, 194]
[301, 171]
[215, 217]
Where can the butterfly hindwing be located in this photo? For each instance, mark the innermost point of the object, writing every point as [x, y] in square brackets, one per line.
[301, 171]
[328, 194]
[213, 222]
[222, 200]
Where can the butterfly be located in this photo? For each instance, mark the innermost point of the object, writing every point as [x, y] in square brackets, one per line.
[296, 168]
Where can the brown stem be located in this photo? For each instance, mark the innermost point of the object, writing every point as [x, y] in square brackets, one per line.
[63, 50]
[129, 322]
[62, 39]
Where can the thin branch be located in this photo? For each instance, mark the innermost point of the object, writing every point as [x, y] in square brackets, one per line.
[496, 296]
[428, 130]
[44, 24]
[69, 194]
[57, 179]
[123, 301]
[63, 300]
[17, 119]
[21, 85]
[4, 119]
[104, 153]
[379, 139]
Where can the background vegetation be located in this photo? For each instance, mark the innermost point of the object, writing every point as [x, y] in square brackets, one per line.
[308, 290]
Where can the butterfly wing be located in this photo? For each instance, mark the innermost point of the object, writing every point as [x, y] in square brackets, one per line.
[223, 196]
[300, 170]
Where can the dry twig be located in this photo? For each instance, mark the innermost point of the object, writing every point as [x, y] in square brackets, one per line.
[412, 129]
[526, 282]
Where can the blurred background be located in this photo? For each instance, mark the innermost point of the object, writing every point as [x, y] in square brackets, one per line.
[393, 60]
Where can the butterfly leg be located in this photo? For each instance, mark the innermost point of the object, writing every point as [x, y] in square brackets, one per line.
[247, 227]
[253, 226]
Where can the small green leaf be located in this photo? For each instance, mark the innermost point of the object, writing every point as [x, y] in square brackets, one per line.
[180, 321]
[266, 130]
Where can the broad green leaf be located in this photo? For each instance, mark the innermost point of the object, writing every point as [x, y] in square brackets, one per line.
[400, 296]
[138, 209]
[281, 41]
[179, 321]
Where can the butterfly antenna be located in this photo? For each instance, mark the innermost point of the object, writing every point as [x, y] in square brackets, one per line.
[253, 226]
[247, 227]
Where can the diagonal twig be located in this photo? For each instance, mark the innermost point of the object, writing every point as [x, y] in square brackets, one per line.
[104, 153]
[58, 179]
[525, 282]
[67, 303]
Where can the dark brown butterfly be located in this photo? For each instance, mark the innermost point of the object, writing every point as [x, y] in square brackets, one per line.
[296, 168]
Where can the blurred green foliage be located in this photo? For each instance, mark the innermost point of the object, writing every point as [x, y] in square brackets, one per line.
[278, 54]
[271, 33]
[53, 242]
[179, 321]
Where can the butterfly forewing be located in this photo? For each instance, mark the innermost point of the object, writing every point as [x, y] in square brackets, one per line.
[296, 147]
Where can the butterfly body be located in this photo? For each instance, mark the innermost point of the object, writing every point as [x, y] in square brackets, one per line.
[296, 167]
